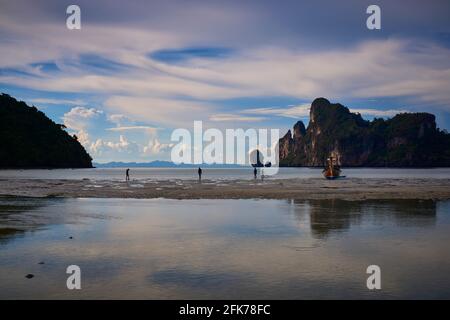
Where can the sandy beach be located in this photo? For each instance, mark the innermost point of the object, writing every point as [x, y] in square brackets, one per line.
[300, 189]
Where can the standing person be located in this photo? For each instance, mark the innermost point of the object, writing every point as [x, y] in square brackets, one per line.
[255, 172]
[127, 175]
[199, 174]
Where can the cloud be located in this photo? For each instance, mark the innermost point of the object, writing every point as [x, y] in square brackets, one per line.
[118, 119]
[122, 146]
[83, 137]
[294, 112]
[144, 128]
[169, 112]
[156, 147]
[385, 68]
[234, 117]
[78, 102]
[84, 121]
[243, 65]
[78, 118]
[302, 111]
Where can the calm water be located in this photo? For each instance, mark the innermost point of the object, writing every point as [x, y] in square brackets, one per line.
[216, 174]
[158, 248]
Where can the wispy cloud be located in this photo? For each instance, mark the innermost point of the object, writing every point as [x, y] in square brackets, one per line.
[77, 102]
[130, 128]
[389, 68]
[234, 117]
[168, 112]
[302, 111]
[294, 112]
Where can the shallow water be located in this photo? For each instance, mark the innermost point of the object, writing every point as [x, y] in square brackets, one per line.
[217, 174]
[163, 249]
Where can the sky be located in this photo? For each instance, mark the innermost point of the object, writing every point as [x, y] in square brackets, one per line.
[137, 70]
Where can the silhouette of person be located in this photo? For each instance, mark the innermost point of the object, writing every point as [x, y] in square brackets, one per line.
[127, 175]
[199, 174]
[255, 172]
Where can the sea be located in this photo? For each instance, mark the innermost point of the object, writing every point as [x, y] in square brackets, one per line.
[219, 173]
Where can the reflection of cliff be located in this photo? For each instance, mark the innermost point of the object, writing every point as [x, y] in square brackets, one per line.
[331, 216]
[15, 217]
[9, 233]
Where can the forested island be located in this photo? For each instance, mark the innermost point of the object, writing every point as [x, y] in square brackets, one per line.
[29, 139]
[406, 140]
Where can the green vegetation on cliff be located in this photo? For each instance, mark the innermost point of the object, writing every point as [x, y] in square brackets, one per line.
[31, 140]
[406, 140]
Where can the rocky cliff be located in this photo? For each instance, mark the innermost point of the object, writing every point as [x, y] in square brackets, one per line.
[406, 140]
[31, 140]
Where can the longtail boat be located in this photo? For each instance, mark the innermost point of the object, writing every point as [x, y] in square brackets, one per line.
[332, 169]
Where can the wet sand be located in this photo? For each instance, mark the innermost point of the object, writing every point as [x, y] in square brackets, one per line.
[300, 189]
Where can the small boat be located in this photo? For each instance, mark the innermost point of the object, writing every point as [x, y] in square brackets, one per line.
[332, 169]
[268, 164]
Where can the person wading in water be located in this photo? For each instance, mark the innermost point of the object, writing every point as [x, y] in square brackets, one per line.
[199, 174]
[255, 172]
[127, 175]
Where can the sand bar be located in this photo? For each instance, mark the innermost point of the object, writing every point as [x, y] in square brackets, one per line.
[314, 188]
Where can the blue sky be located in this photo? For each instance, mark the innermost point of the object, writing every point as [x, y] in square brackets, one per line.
[135, 72]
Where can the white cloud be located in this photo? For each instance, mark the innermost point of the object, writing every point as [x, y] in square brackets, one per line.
[118, 119]
[122, 146]
[79, 117]
[96, 147]
[79, 120]
[155, 147]
[83, 137]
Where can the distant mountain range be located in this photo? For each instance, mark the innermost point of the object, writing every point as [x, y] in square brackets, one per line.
[31, 140]
[406, 140]
[160, 164]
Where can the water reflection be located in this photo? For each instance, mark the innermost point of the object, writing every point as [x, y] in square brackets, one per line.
[22, 216]
[333, 216]
[14, 220]
[224, 249]
[326, 217]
